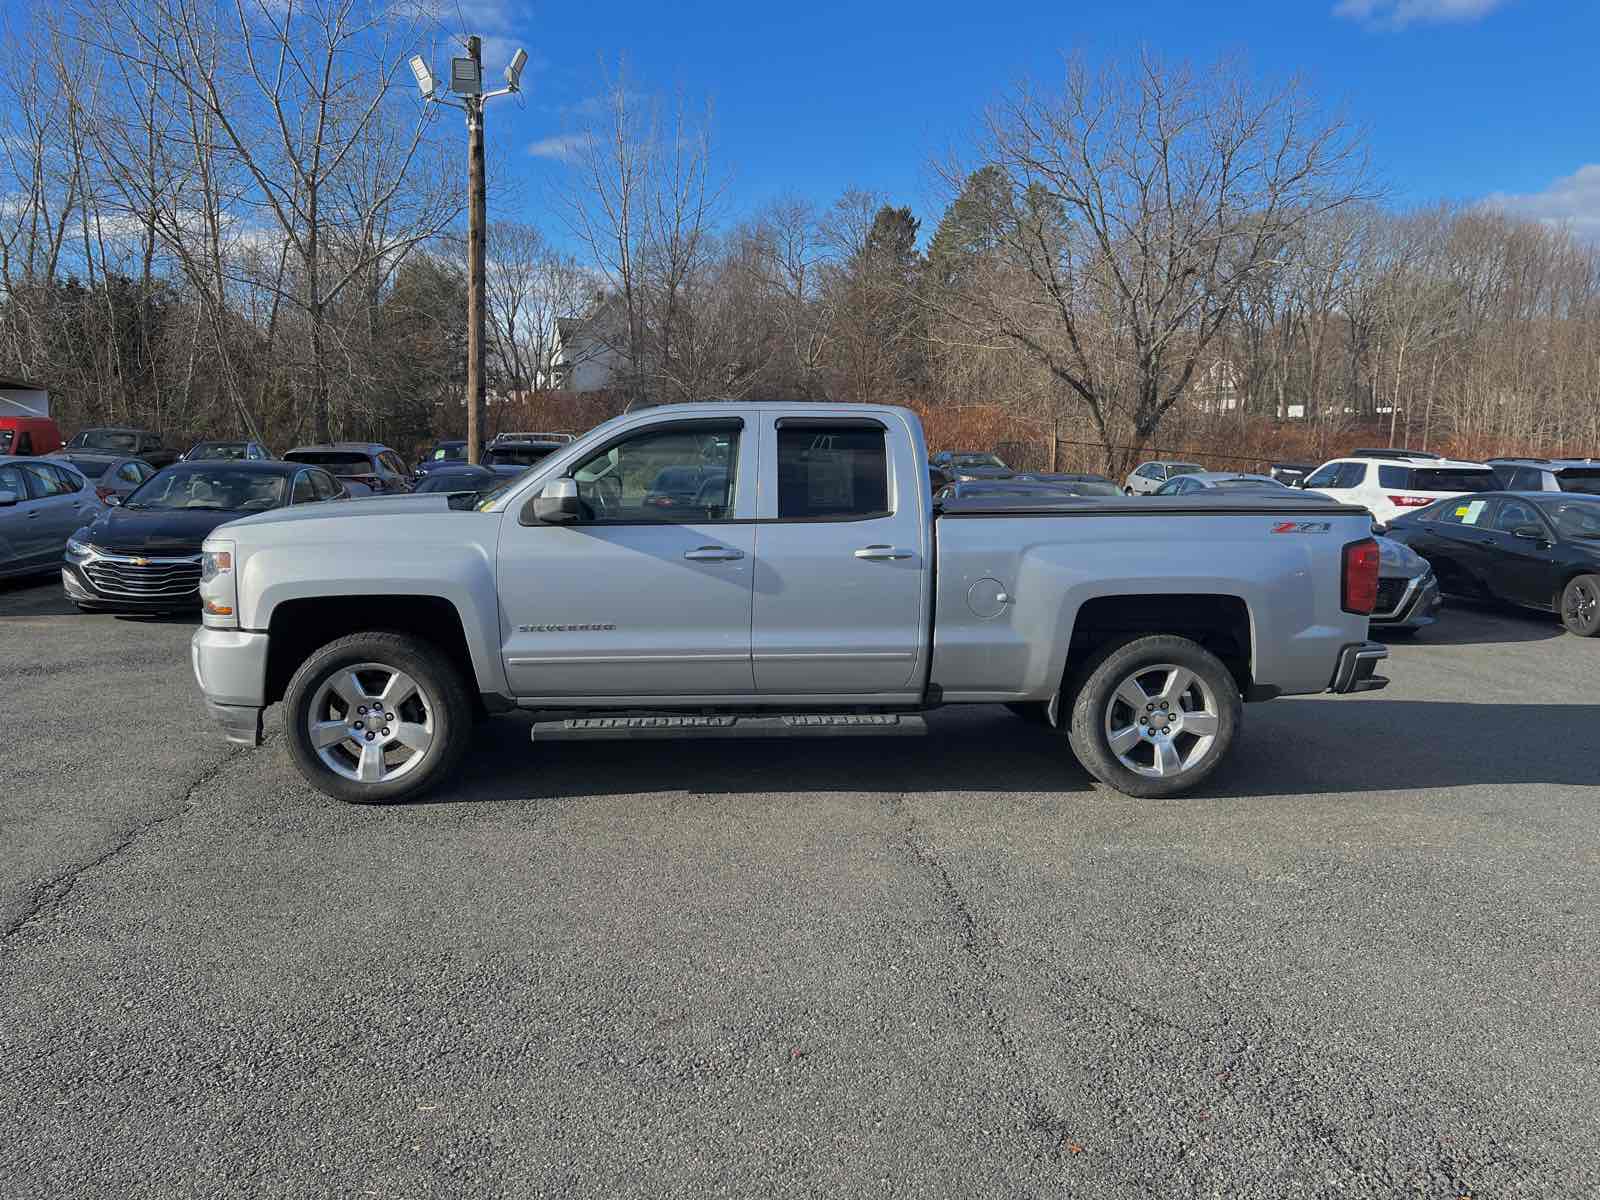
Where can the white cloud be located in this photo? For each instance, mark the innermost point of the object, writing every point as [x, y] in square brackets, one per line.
[1398, 14]
[563, 147]
[1573, 202]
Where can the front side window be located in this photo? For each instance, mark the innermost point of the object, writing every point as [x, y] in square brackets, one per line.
[11, 481]
[832, 471]
[1574, 519]
[1351, 475]
[682, 474]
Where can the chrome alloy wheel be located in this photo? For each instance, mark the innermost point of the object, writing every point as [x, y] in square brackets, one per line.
[371, 723]
[1161, 720]
[1581, 604]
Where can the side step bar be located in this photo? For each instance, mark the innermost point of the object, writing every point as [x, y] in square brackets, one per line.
[786, 725]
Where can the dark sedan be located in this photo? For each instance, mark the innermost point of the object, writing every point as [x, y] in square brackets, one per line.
[964, 465]
[459, 477]
[144, 554]
[1535, 549]
[365, 467]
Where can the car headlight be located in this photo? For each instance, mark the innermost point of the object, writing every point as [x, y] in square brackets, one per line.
[77, 550]
[219, 590]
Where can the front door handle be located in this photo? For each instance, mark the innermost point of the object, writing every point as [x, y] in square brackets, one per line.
[878, 552]
[713, 554]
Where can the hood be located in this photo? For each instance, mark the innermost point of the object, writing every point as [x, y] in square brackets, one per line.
[364, 506]
[1396, 560]
[156, 532]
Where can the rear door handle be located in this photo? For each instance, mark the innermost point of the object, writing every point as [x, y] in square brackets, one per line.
[713, 554]
[877, 552]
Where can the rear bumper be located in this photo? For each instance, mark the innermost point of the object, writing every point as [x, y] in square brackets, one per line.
[1358, 663]
[1418, 606]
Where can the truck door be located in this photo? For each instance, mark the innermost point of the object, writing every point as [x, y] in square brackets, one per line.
[841, 581]
[648, 594]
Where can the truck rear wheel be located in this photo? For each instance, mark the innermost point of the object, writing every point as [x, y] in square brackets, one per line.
[1154, 716]
[376, 717]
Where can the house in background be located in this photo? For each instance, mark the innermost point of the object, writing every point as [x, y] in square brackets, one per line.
[18, 399]
[582, 359]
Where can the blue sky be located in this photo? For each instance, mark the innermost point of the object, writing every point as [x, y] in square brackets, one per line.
[1463, 99]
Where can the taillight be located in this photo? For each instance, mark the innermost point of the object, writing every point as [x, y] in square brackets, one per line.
[1410, 501]
[1358, 588]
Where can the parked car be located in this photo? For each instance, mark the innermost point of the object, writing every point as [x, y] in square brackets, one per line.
[512, 436]
[1387, 487]
[144, 554]
[459, 477]
[938, 478]
[368, 465]
[139, 443]
[1290, 473]
[965, 465]
[1548, 474]
[1144, 479]
[1218, 481]
[23, 437]
[110, 474]
[1079, 484]
[822, 597]
[41, 502]
[1408, 590]
[442, 455]
[1535, 549]
[512, 454]
[1393, 452]
[229, 451]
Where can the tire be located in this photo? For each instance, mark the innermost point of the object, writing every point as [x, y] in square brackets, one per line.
[1580, 605]
[1127, 491]
[431, 718]
[1034, 712]
[1205, 701]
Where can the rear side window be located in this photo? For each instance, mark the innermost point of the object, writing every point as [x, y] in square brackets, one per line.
[1585, 480]
[305, 492]
[1453, 479]
[837, 472]
[1394, 477]
[326, 488]
[44, 480]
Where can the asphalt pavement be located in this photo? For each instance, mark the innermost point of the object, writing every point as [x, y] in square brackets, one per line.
[1365, 962]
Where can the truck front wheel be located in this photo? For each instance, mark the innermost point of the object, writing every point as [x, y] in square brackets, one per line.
[1154, 716]
[376, 717]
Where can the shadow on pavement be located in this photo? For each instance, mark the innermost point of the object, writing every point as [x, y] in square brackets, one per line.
[35, 596]
[1482, 623]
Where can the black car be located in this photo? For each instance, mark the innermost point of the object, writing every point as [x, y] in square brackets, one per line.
[135, 443]
[369, 466]
[963, 465]
[144, 554]
[512, 454]
[1535, 549]
[1077, 482]
[1290, 473]
[1548, 474]
[995, 489]
[242, 451]
[459, 477]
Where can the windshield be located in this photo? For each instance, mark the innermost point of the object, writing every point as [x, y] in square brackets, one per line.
[1576, 519]
[449, 452]
[219, 450]
[210, 487]
[344, 463]
[89, 468]
[108, 439]
[976, 460]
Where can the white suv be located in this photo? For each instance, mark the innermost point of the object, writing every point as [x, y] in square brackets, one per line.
[1387, 487]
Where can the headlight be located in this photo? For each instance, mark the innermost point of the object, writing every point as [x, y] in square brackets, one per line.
[78, 551]
[219, 590]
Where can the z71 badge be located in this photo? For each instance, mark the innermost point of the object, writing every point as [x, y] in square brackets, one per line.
[1302, 527]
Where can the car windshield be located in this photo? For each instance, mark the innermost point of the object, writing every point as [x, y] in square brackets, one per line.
[89, 468]
[219, 450]
[210, 487]
[1576, 519]
[450, 452]
[343, 463]
[1584, 480]
[108, 439]
[976, 460]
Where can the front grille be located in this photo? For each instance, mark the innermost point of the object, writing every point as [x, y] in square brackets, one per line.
[153, 579]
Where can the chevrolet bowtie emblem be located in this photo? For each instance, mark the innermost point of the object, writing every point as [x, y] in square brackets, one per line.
[141, 562]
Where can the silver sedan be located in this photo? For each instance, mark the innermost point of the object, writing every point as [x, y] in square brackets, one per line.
[42, 501]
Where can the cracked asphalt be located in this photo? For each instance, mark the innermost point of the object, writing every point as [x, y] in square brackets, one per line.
[1366, 962]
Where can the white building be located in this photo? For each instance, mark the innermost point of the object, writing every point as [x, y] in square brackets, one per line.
[581, 360]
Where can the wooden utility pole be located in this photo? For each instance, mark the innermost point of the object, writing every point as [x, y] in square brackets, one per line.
[476, 262]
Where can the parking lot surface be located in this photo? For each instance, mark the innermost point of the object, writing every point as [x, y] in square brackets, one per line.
[1364, 962]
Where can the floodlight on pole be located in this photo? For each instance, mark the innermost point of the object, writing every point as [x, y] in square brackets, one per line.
[514, 71]
[425, 80]
[466, 76]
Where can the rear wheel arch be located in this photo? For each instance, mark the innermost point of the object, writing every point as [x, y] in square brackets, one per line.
[1219, 622]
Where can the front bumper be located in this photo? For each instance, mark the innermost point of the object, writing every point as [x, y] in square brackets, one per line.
[1357, 664]
[85, 593]
[230, 665]
[1417, 607]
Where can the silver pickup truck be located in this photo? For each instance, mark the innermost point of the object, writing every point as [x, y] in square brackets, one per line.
[737, 570]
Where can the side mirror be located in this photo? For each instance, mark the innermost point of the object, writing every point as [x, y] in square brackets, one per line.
[113, 500]
[558, 504]
[1532, 532]
[1380, 528]
[7, 499]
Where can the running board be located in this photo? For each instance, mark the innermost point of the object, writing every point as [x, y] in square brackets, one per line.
[787, 725]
